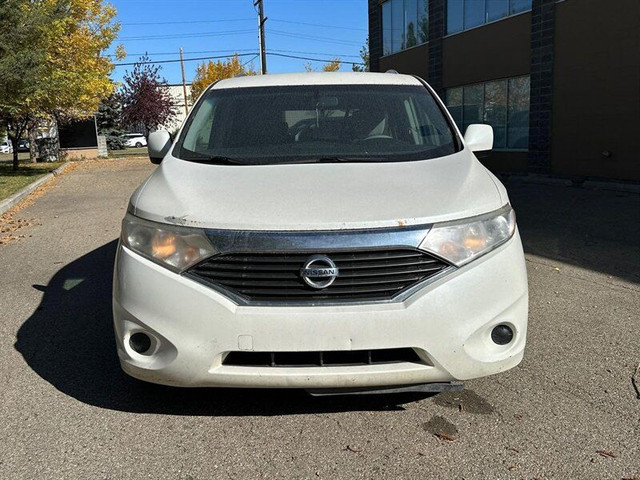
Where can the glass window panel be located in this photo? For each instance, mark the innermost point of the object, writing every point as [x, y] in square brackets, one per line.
[386, 29]
[423, 21]
[473, 97]
[517, 6]
[411, 22]
[397, 25]
[455, 16]
[518, 113]
[495, 103]
[454, 104]
[499, 138]
[497, 9]
[495, 111]
[473, 13]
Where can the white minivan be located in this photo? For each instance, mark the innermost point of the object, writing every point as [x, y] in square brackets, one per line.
[326, 231]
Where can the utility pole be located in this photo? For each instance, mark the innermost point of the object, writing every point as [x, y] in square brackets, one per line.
[184, 83]
[261, 22]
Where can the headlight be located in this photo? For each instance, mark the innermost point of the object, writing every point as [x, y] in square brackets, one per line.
[462, 241]
[171, 246]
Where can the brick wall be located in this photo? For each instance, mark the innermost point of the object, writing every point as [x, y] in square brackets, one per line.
[436, 32]
[375, 35]
[542, 58]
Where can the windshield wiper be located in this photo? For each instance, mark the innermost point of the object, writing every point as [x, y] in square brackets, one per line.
[340, 159]
[218, 159]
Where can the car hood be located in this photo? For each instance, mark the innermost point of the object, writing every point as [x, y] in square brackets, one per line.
[326, 196]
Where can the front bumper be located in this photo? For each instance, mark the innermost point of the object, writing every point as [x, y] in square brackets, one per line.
[448, 322]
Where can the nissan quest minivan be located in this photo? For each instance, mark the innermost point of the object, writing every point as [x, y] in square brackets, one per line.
[326, 231]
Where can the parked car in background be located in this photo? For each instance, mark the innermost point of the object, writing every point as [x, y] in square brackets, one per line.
[135, 140]
[23, 145]
[5, 147]
[333, 232]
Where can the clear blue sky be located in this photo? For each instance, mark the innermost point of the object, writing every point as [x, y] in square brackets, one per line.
[308, 28]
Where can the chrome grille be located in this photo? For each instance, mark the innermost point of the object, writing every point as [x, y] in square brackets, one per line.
[275, 277]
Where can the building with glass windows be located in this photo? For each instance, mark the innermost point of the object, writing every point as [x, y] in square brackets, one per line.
[559, 80]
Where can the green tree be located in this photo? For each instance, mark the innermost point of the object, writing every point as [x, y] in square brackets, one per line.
[51, 62]
[364, 55]
[22, 59]
[109, 119]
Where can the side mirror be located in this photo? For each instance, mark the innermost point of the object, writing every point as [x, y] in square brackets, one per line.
[479, 138]
[159, 144]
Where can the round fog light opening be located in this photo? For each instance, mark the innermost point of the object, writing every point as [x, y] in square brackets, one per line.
[502, 335]
[140, 343]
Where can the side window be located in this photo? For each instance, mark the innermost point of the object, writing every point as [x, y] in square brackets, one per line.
[198, 136]
[414, 123]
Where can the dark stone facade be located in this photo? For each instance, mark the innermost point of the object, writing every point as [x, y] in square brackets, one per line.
[436, 34]
[375, 36]
[541, 108]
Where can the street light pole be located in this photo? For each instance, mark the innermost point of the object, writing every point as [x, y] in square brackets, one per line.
[261, 22]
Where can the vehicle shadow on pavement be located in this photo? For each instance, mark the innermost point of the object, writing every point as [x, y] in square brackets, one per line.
[69, 342]
[598, 230]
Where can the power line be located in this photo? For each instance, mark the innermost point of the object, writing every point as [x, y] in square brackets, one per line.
[157, 62]
[186, 35]
[200, 22]
[254, 54]
[187, 22]
[319, 25]
[237, 32]
[312, 37]
[314, 59]
[250, 60]
[154, 54]
[232, 51]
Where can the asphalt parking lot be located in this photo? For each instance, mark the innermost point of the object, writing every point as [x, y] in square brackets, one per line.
[568, 411]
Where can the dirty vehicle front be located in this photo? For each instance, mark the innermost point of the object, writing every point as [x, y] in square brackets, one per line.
[329, 232]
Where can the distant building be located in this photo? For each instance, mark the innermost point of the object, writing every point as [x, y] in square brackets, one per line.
[79, 139]
[557, 79]
[177, 93]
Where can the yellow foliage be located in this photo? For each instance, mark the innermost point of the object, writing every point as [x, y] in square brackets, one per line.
[77, 74]
[209, 72]
[332, 66]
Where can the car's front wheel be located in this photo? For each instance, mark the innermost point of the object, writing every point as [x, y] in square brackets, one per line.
[138, 145]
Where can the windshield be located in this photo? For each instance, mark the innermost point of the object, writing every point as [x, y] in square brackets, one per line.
[307, 124]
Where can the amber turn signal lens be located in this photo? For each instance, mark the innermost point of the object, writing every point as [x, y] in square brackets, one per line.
[475, 243]
[163, 245]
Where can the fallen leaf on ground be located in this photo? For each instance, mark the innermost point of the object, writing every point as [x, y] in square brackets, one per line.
[353, 449]
[605, 453]
[444, 436]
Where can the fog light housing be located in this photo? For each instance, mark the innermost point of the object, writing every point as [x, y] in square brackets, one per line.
[140, 343]
[502, 335]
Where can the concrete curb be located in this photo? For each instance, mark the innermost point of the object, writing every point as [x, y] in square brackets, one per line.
[13, 200]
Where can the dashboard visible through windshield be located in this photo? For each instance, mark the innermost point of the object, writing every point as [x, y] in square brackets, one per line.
[314, 124]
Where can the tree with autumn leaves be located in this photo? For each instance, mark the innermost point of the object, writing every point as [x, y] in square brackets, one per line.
[210, 72]
[51, 62]
[146, 101]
